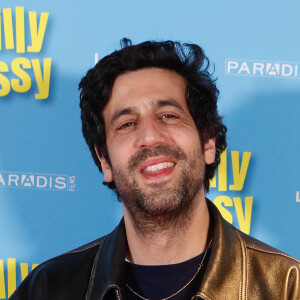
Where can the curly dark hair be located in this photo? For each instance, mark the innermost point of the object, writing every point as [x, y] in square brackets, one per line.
[187, 60]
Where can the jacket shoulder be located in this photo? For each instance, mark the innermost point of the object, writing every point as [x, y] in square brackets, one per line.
[278, 272]
[271, 265]
[255, 245]
[64, 272]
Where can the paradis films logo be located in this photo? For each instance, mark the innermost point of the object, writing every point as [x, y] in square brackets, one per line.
[260, 68]
[38, 181]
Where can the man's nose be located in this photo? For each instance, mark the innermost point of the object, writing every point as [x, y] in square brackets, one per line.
[150, 133]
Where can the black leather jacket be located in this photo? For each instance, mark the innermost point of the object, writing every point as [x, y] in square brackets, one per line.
[239, 267]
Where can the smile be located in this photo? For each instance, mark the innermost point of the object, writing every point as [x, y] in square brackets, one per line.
[159, 166]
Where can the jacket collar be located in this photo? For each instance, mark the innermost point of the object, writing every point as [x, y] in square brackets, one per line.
[225, 275]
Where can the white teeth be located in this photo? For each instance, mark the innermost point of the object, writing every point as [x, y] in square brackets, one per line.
[159, 166]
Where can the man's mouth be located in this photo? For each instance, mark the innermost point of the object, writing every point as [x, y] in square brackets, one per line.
[159, 166]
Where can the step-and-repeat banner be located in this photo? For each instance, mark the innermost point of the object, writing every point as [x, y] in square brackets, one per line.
[51, 194]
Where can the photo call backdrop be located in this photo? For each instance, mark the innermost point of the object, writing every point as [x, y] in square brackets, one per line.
[51, 194]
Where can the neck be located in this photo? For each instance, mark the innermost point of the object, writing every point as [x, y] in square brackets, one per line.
[170, 243]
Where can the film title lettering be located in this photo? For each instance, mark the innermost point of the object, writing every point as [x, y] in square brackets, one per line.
[242, 208]
[19, 74]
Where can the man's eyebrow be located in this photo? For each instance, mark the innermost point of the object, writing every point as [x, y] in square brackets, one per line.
[120, 112]
[168, 102]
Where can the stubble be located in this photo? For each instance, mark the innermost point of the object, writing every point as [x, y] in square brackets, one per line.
[164, 206]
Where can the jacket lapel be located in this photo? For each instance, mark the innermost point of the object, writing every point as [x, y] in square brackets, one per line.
[225, 275]
[107, 272]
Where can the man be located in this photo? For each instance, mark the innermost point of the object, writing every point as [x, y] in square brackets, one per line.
[149, 115]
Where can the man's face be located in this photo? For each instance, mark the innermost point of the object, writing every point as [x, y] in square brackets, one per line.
[157, 161]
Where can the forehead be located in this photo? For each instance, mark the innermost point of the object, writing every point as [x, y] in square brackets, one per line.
[144, 86]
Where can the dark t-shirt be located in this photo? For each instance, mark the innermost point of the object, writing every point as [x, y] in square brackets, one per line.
[158, 282]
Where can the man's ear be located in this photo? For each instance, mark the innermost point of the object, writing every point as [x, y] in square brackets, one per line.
[210, 151]
[106, 168]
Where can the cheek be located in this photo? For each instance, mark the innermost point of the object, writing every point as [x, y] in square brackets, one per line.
[188, 140]
[119, 154]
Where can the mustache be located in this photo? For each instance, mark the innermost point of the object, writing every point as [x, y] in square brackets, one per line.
[166, 150]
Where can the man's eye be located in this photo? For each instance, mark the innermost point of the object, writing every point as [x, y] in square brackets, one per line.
[126, 125]
[168, 116]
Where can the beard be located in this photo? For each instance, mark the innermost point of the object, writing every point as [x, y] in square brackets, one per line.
[163, 206]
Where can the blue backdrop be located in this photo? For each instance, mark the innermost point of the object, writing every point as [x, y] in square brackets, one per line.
[51, 195]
